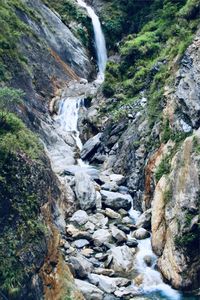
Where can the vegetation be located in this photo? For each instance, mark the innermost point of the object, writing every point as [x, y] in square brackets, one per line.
[164, 167]
[19, 205]
[70, 13]
[148, 51]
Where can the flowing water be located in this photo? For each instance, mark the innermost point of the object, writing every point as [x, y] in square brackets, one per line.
[99, 40]
[66, 126]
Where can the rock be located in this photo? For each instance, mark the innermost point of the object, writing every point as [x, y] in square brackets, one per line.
[141, 234]
[85, 191]
[87, 252]
[101, 256]
[118, 235]
[122, 259]
[89, 226]
[124, 228]
[90, 147]
[106, 272]
[67, 245]
[80, 243]
[116, 200]
[132, 243]
[127, 220]
[107, 284]
[110, 186]
[112, 214]
[98, 201]
[99, 220]
[89, 291]
[144, 220]
[148, 260]
[101, 236]
[110, 297]
[119, 179]
[123, 212]
[130, 291]
[71, 229]
[123, 189]
[80, 217]
[82, 235]
[70, 250]
[78, 267]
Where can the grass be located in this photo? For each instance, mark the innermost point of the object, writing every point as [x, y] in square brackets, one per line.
[148, 52]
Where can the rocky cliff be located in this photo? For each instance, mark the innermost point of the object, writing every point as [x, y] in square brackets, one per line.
[141, 129]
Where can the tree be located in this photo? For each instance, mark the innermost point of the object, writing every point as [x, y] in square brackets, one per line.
[8, 98]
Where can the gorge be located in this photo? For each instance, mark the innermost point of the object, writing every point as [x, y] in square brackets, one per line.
[108, 186]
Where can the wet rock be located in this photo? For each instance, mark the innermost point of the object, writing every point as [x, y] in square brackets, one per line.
[144, 220]
[107, 284]
[148, 260]
[90, 147]
[85, 191]
[123, 293]
[110, 186]
[122, 259]
[118, 235]
[112, 214]
[119, 179]
[116, 200]
[89, 291]
[80, 243]
[124, 228]
[80, 217]
[141, 234]
[98, 201]
[132, 243]
[127, 220]
[101, 236]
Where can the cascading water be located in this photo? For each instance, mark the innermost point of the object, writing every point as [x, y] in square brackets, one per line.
[66, 126]
[99, 40]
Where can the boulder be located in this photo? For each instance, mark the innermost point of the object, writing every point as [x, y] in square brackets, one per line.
[144, 220]
[118, 178]
[90, 147]
[141, 234]
[80, 217]
[101, 236]
[132, 243]
[89, 291]
[121, 259]
[124, 228]
[80, 266]
[80, 243]
[85, 191]
[107, 284]
[118, 235]
[99, 220]
[116, 200]
[112, 214]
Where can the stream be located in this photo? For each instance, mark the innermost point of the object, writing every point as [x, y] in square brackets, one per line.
[64, 147]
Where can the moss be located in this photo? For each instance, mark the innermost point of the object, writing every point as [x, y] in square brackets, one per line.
[149, 49]
[164, 167]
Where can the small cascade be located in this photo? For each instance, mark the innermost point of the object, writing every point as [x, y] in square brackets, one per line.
[99, 40]
[68, 115]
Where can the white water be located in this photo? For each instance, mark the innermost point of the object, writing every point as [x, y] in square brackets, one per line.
[99, 40]
[67, 121]
[68, 117]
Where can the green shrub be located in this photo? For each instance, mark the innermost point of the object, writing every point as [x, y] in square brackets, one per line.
[163, 168]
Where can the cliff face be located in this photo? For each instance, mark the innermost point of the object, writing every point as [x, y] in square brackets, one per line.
[39, 54]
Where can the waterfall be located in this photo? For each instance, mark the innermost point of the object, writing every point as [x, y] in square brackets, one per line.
[99, 40]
